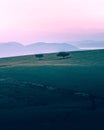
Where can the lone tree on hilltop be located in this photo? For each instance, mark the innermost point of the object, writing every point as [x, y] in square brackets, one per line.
[63, 54]
[39, 56]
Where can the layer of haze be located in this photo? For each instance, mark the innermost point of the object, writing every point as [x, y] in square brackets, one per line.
[29, 21]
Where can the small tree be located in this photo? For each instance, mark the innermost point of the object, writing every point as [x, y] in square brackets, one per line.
[63, 54]
[39, 56]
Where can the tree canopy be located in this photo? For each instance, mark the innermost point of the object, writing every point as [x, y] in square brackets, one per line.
[63, 54]
[39, 56]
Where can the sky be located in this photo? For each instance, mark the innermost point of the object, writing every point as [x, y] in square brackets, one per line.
[29, 21]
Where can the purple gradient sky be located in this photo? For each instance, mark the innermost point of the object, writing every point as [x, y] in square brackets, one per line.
[30, 21]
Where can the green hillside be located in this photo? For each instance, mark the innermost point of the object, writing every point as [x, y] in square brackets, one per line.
[81, 70]
[80, 58]
[53, 87]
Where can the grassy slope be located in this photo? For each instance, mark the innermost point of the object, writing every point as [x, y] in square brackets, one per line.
[21, 78]
[83, 58]
[83, 70]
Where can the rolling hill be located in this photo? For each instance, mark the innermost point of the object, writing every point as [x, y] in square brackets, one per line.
[77, 58]
[52, 93]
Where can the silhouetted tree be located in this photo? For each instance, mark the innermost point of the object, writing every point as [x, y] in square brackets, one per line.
[39, 56]
[63, 54]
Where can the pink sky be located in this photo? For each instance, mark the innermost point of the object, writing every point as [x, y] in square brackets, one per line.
[29, 21]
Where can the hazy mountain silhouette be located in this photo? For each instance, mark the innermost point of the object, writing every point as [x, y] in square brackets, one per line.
[16, 49]
[90, 44]
[11, 49]
[41, 47]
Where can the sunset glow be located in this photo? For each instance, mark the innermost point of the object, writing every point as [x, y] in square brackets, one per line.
[29, 21]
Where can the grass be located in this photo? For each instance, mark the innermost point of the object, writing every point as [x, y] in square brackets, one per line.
[83, 70]
[84, 58]
[52, 92]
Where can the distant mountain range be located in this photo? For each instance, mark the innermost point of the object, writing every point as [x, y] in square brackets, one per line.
[17, 49]
[90, 44]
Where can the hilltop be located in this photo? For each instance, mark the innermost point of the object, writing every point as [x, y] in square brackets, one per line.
[77, 58]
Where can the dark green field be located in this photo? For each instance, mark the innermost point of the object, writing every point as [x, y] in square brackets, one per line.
[52, 93]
